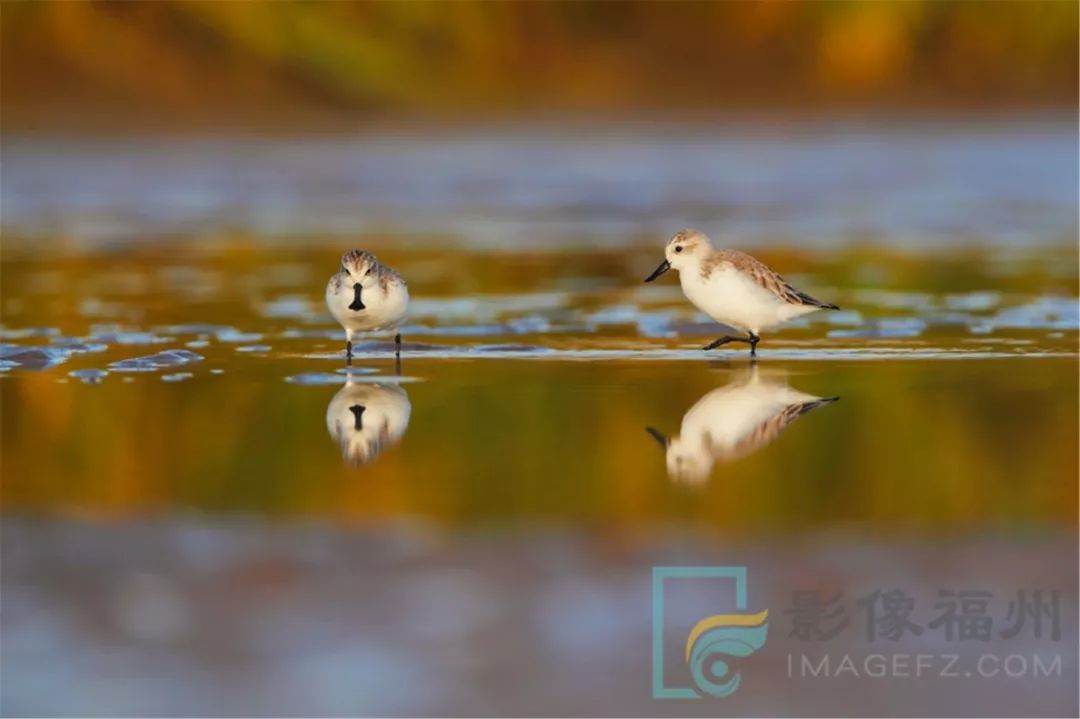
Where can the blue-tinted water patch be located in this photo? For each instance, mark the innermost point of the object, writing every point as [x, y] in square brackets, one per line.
[130, 337]
[315, 378]
[41, 357]
[973, 301]
[194, 328]
[233, 335]
[1043, 312]
[28, 332]
[892, 327]
[356, 371]
[177, 377]
[289, 307]
[89, 376]
[152, 363]
[296, 333]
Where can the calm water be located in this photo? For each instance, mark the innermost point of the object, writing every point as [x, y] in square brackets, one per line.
[917, 183]
[190, 503]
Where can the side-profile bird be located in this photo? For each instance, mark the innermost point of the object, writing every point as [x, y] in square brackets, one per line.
[733, 288]
[366, 418]
[731, 422]
[366, 296]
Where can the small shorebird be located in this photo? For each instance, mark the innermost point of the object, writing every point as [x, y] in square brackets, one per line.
[365, 296]
[366, 418]
[731, 422]
[733, 288]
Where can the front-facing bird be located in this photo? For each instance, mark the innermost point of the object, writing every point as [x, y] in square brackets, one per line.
[365, 296]
[733, 288]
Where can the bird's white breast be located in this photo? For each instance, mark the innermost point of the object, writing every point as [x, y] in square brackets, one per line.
[733, 298]
[382, 309]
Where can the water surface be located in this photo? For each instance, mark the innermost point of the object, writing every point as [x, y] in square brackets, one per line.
[200, 497]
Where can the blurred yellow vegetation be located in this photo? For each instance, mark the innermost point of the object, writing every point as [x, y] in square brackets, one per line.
[208, 61]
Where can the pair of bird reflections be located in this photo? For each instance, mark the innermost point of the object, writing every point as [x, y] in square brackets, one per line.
[726, 424]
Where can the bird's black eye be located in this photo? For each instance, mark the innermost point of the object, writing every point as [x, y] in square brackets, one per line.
[368, 272]
[678, 248]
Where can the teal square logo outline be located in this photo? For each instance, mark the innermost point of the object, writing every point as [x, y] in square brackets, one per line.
[659, 574]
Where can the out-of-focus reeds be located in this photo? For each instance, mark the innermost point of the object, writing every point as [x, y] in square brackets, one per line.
[207, 62]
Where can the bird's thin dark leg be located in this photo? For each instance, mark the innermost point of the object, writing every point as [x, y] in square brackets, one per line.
[397, 344]
[724, 341]
[754, 339]
[348, 352]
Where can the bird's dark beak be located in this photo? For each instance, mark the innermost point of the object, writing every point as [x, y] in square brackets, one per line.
[664, 267]
[655, 434]
[357, 303]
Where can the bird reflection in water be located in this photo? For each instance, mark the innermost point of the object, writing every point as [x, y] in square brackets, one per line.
[366, 418]
[731, 422]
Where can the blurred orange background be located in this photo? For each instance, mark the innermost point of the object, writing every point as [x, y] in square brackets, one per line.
[178, 64]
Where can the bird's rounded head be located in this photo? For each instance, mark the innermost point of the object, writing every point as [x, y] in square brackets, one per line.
[360, 266]
[686, 247]
[686, 464]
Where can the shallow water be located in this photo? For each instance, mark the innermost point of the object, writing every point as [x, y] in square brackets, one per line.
[199, 496]
[179, 401]
[206, 377]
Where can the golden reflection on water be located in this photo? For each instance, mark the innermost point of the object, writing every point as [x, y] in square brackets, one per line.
[556, 437]
[940, 444]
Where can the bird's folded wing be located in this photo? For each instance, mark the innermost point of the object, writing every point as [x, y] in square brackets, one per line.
[770, 279]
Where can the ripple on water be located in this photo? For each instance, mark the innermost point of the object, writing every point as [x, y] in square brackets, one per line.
[314, 378]
[233, 335]
[177, 377]
[288, 307]
[509, 348]
[43, 357]
[77, 345]
[1058, 313]
[456, 331]
[89, 376]
[354, 371]
[128, 337]
[486, 308]
[353, 375]
[154, 362]
[296, 333]
[845, 318]
[194, 328]
[886, 327]
[28, 332]
[973, 301]
[254, 348]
